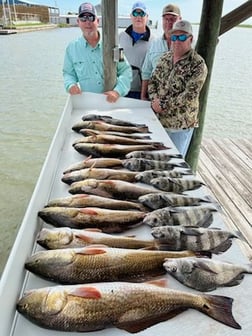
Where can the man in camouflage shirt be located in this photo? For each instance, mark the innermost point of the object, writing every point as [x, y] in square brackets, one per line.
[175, 85]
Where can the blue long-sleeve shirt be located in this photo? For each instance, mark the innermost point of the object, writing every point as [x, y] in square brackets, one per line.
[83, 64]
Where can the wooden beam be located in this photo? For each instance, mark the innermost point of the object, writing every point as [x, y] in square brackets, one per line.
[235, 17]
[110, 40]
[206, 45]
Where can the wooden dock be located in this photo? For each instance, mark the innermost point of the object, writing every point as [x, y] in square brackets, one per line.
[225, 165]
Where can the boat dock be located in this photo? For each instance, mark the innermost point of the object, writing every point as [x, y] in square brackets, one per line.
[225, 165]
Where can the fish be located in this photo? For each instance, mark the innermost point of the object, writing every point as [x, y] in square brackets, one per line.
[132, 307]
[96, 263]
[99, 174]
[160, 200]
[116, 189]
[144, 164]
[178, 238]
[80, 218]
[114, 139]
[153, 156]
[194, 216]
[148, 175]
[110, 120]
[86, 132]
[176, 185]
[206, 275]
[94, 162]
[102, 126]
[59, 238]
[111, 150]
[88, 200]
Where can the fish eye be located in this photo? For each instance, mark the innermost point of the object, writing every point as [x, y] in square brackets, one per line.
[174, 269]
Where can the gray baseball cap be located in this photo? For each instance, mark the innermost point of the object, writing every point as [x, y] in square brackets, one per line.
[182, 25]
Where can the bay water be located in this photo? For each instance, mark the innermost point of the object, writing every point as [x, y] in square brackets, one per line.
[32, 98]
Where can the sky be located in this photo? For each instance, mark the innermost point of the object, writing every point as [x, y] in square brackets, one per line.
[190, 9]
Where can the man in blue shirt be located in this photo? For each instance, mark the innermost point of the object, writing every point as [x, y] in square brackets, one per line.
[170, 14]
[83, 63]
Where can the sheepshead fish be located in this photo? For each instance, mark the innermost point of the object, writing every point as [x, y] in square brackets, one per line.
[194, 216]
[110, 188]
[80, 218]
[99, 174]
[103, 126]
[206, 275]
[86, 132]
[95, 162]
[110, 120]
[112, 150]
[153, 156]
[87, 200]
[80, 308]
[97, 263]
[144, 164]
[147, 176]
[113, 139]
[194, 238]
[176, 185]
[160, 200]
[59, 238]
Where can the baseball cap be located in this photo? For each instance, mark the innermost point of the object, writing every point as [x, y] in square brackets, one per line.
[139, 5]
[182, 25]
[87, 7]
[171, 9]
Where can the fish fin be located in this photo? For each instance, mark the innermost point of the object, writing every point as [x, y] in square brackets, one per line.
[236, 281]
[92, 250]
[203, 266]
[83, 237]
[131, 236]
[222, 247]
[206, 220]
[88, 211]
[86, 292]
[183, 165]
[159, 283]
[93, 230]
[190, 231]
[133, 326]
[88, 158]
[220, 309]
[203, 254]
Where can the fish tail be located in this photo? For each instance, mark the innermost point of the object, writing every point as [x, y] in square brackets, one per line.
[211, 199]
[220, 308]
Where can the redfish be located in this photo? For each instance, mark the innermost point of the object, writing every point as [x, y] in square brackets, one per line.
[128, 306]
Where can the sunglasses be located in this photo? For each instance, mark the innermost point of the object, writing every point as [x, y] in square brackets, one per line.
[85, 18]
[181, 38]
[135, 13]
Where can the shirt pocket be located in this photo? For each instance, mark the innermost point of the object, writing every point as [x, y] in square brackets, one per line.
[82, 70]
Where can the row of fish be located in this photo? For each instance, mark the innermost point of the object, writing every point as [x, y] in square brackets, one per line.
[109, 201]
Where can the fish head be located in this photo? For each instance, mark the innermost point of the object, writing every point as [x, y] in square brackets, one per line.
[42, 304]
[179, 267]
[168, 234]
[43, 262]
[134, 154]
[159, 217]
[55, 238]
[129, 164]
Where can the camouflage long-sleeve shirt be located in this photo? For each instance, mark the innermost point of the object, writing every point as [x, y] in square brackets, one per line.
[178, 86]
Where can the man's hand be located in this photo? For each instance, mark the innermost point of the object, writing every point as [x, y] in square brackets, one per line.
[112, 96]
[155, 105]
[74, 90]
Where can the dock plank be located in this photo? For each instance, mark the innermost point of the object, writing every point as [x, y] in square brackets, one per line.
[225, 166]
